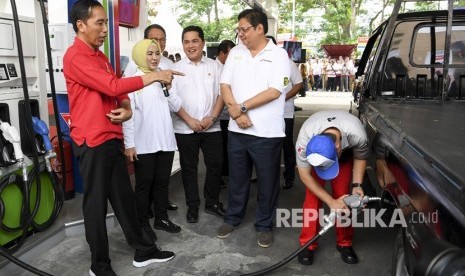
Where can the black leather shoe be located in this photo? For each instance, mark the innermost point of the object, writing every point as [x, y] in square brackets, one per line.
[192, 215]
[166, 225]
[172, 206]
[288, 185]
[347, 254]
[306, 257]
[215, 209]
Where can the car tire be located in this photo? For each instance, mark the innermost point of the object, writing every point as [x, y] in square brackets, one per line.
[398, 265]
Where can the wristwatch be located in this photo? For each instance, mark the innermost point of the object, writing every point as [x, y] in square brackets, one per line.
[243, 108]
[356, 185]
[214, 119]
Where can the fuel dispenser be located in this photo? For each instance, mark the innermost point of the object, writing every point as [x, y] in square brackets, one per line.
[30, 195]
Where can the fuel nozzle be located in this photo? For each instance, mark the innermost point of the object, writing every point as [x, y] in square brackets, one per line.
[40, 128]
[356, 201]
[10, 133]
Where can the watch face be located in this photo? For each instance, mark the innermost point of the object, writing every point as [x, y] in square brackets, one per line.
[243, 108]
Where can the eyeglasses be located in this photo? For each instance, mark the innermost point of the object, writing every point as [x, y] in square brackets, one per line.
[242, 30]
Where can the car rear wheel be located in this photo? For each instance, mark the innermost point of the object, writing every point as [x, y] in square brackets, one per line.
[398, 266]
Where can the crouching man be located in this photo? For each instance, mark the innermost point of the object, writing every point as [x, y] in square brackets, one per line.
[332, 146]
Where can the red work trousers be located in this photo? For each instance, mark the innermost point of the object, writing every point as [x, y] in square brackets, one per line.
[340, 186]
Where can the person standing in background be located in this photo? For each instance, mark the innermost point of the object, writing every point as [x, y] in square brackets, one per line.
[253, 83]
[223, 50]
[345, 70]
[296, 84]
[98, 105]
[177, 57]
[304, 77]
[149, 142]
[317, 75]
[331, 75]
[324, 74]
[197, 103]
[310, 80]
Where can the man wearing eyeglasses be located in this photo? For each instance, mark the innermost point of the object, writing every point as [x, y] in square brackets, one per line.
[253, 83]
[157, 33]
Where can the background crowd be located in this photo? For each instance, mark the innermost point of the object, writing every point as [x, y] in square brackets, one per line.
[328, 74]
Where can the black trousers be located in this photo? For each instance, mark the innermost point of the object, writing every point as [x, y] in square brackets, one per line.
[289, 151]
[152, 172]
[105, 176]
[211, 145]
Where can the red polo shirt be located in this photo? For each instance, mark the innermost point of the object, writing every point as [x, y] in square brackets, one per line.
[93, 90]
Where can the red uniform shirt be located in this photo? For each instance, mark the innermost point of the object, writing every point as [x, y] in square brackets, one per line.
[93, 90]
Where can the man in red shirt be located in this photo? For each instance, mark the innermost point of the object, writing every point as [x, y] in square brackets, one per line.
[98, 105]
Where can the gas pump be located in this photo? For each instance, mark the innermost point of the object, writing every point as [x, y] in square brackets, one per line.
[30, 197]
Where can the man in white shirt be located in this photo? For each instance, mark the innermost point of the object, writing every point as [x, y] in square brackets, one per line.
[223, 50]
[288, 144]
[253, 83]
[198, 103]
[296, 85]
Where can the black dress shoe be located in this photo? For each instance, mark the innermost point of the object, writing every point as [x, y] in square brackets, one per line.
[306, 257]
[347, 254]
[166, 225]
[192, 215]
[172, 206]
[215, 209]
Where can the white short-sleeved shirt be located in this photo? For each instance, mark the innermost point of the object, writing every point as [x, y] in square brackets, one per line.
[249, 76]
[352, 131]
[197, 92]
[150, 128]
[295, 78]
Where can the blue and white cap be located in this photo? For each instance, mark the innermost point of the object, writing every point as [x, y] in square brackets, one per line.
[322, 155]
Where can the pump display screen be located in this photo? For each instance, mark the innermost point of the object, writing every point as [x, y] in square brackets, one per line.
[3, 73]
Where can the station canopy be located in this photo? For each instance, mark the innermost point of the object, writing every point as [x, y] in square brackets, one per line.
[336, 51]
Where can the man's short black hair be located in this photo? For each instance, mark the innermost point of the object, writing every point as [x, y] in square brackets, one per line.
[225, 46]
[193, 29]
[153, 26]
[255, 17]
[82, 10]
